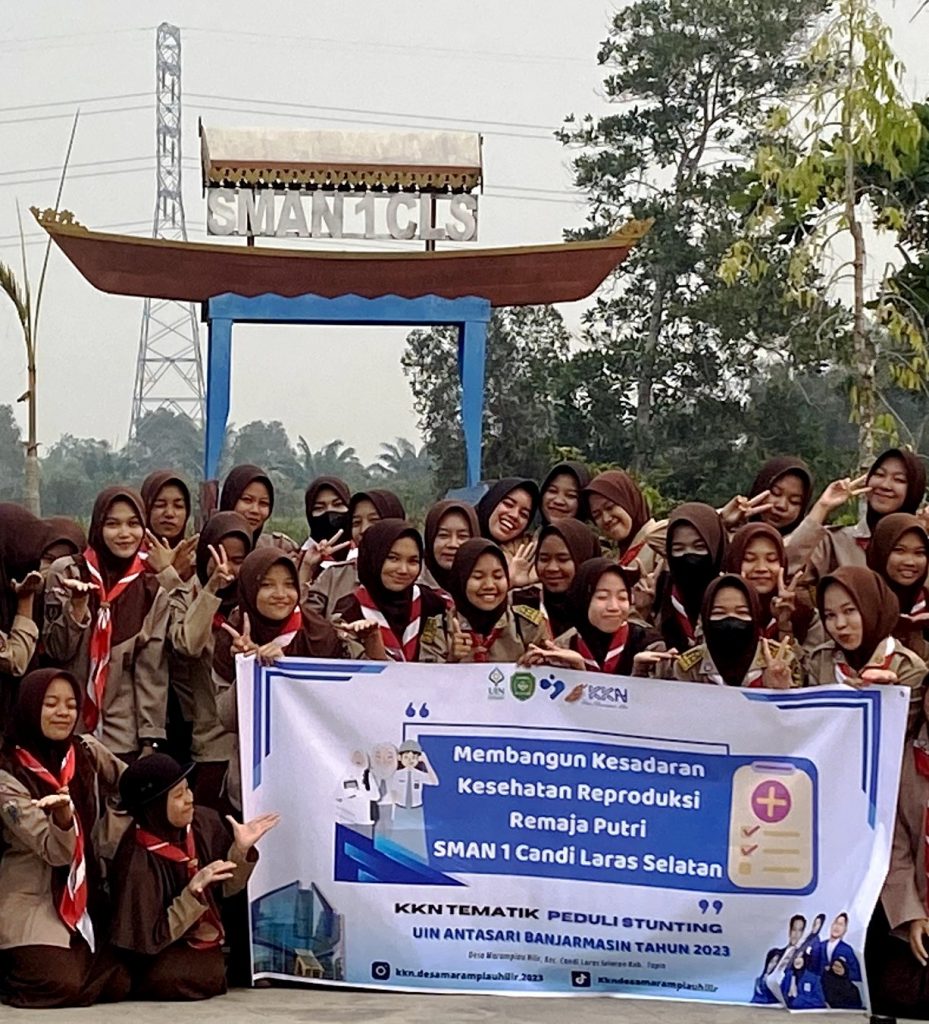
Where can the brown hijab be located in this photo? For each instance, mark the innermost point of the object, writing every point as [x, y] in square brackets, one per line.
[618, 487]
[732, 642]
[581, 592]
[23, 538]
[315, 639]
[886, 534]
[580, 473]
[739, 543]
[434, 518]
[215, 530]
[465, 559]
[64, 530]
[235, 484]
[388, 505]
[773, 470]
[915, 481]
[153, 485]
[876, 602]
[582, 545]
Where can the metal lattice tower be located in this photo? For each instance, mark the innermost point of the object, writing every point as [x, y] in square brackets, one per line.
[169, 371]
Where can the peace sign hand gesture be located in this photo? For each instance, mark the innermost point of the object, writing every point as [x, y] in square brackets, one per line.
[777, 674]
[223, 571]
[784, 603]
[740, 508]
[522, 565]
[185, 557]
[325, 550]
[160, 552]
[840, 491]
[242, 643]
[643, 593]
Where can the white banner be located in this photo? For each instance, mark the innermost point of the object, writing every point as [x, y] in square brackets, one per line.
[487, 828]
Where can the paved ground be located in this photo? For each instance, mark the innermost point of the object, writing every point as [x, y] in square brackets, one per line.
[318, 1006]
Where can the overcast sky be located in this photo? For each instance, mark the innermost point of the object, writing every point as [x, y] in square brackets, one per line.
[510, 69]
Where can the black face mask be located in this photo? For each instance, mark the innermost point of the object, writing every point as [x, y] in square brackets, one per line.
[691, 564]
[325, 525]
[730, 630]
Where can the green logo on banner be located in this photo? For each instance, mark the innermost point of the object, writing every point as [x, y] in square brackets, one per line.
[522, 685]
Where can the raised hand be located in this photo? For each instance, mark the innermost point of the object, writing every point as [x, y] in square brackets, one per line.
[645, 661]
[740, 508]
[223, 571]
[58, 807]
[777, 674]
[269, 653]
[784, 603]
[643, 593]
[840, 491]
[242, 643]
[462, 642]
[185, 557]
[31, 584]
[246, 835]
[549, 653]
[160, 552]
[522, 564]
[217, 871]
[78, 589]
[325, 550]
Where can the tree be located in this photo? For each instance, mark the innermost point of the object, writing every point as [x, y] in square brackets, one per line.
[76, 469]
[333, 459]
[11, 456]
[167, 440]
[408, 472]
[809, 172]
[527, 349]
[693, 80]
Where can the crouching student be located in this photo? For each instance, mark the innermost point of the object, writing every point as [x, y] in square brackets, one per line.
[172, 868]
[859, 613]
[734, 651]
[53, 913]
[482, 626]
[602, 639]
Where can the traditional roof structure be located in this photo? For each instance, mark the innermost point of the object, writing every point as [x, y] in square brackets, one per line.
[356, 161]
[193, 272]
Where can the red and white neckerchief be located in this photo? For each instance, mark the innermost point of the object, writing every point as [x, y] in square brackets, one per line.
[613, 654]
[208, 932]
[291, 628]
[630, 555]
[482, 643]
[863, 542]
[72, 904]
[770, 631]
[403, 648]
[844, 672]
[101, 636]
[753, 680]
[919, 606]
[683, 619]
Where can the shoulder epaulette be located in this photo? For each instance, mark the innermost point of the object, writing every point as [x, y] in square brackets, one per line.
[532, 615]
[688, 659]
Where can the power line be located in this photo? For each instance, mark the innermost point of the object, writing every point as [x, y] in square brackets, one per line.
[70, 115]
[74, 177]
[86, 163]
[76, 102]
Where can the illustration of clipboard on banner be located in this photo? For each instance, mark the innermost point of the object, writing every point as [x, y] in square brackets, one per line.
[771, 828]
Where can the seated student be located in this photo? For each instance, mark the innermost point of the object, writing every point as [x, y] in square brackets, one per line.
[506, 511]
[859, 612]
[897, 952]
[172, 867]
[106, 619]
[326, 503]
[695, 546]
[53, 927]
[448, 525]
[388, 597]
[270, 623]
[249, 491]
[482, 626]
[896, 482]
[756, 553]
[337, 581]
[620, 512]
[562, 492]
[899, 553]
[563, 546]
[734, 652]
[601, 639]
[788, 485]
[197, 616]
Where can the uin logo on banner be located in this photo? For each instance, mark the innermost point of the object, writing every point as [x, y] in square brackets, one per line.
[495, 691]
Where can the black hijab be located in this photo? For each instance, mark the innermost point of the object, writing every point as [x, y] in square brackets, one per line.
[583, 588]
[324, 525]
[466, 558]
[373, 550]
[581, 476]
[732, 643]
[582, 545]
[497, 492]
[235, 485]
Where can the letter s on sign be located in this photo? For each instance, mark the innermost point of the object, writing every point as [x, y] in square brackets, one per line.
[463, 225]
[221, 214]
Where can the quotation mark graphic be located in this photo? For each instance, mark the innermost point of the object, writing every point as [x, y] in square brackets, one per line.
[423, 712]
[704, 906]
[557, 686]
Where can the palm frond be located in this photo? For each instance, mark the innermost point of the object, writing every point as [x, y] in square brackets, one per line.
[11, 287]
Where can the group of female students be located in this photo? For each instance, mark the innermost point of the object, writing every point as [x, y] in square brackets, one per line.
[118, 770]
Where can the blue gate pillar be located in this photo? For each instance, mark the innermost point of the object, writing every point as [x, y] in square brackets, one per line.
[469, 315]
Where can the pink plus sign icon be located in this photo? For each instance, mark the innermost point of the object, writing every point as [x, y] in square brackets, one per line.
[771, 801]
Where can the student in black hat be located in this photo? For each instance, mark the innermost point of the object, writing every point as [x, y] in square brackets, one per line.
[172, 866]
